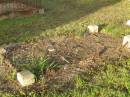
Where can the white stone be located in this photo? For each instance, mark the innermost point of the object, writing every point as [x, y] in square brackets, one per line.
[126, 41]
[41, 11]
[93, 29]
[25, 78]
[128, 23]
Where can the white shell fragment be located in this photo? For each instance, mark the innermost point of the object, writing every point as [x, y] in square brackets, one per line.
[25, 78]
[93, 29]
[51, 48]
[126, 41]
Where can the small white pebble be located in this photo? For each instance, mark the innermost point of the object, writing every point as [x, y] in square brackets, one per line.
[93, 29]
[25, 78]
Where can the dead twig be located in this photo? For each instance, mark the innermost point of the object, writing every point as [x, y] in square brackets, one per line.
[64, 59]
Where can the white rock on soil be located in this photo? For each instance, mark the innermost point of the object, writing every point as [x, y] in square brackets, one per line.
[126, 41]
[128, 23]
[93, 29]
[25, 78]
[41, 11]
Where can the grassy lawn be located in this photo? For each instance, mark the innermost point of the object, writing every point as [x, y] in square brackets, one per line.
[65, 16]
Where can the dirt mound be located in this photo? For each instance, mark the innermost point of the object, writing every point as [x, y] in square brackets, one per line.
[73, 54]
[71, 50]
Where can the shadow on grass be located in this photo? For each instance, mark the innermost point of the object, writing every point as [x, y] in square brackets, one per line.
[58, 12]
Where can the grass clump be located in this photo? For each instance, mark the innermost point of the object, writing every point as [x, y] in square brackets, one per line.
[36, 66]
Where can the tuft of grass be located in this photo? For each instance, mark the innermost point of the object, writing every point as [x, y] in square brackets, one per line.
[36, 66]
[6, 95]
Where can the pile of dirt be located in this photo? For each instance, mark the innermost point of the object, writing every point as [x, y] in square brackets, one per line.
[74, 54]
[71, 49]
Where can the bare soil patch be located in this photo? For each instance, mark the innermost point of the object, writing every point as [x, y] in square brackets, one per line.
[74, 55]
[71, 49]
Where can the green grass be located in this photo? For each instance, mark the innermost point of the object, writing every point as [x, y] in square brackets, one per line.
[36, 66]
[65, 16]
[111, 80]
